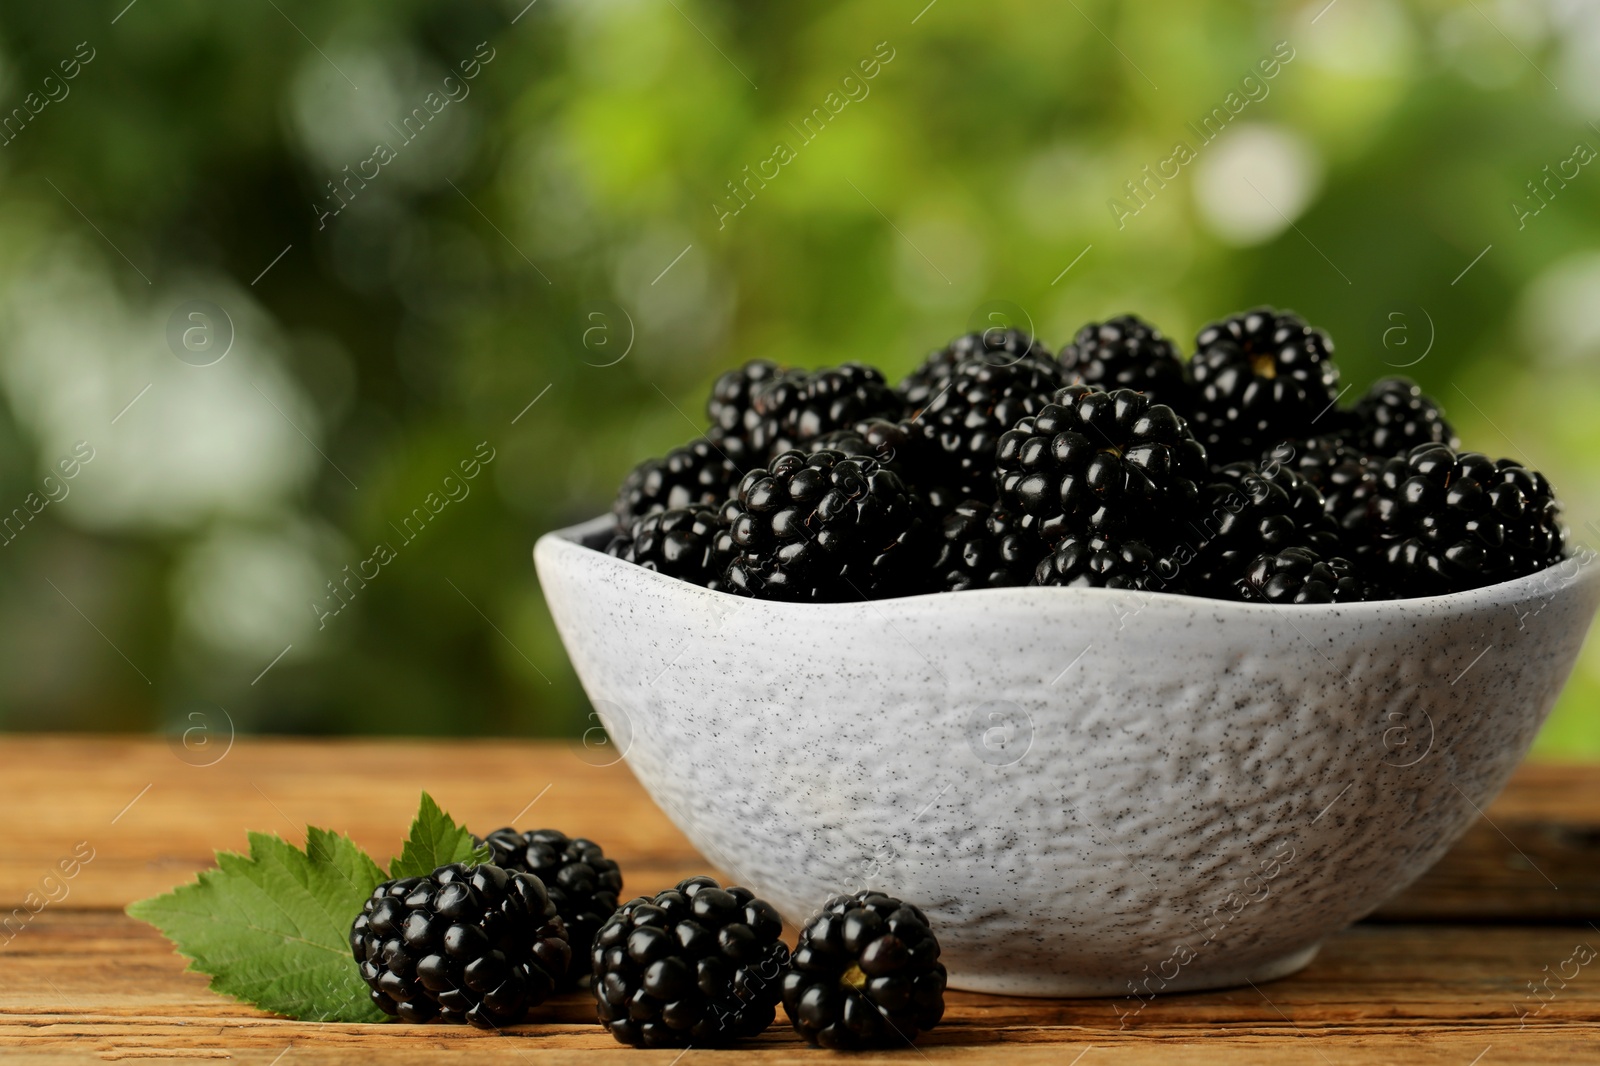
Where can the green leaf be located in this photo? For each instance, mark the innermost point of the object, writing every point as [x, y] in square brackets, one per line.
[435, 841]
[272, 928]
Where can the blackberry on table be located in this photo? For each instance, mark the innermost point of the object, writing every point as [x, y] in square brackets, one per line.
[1447, 521]
[1247, 511]
[1395, 416]
[1260, 377]
[964, 422]
[698, 473]
[466, 944]
[997, 347]
[1127, 352]
[982, 546]
[697, 964]
[1344, 474]
[1097, 560]
[865, 974]
[681, 543]
[1093, 461]
[825, 527]
[579, 879]
[1300, 575]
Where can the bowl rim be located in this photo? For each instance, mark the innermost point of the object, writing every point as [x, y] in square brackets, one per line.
[1512, 591]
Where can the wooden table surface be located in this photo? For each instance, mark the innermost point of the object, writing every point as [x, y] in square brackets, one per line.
[1441, 975]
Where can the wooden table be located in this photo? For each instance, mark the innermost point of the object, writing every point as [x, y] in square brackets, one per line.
[1441, 975]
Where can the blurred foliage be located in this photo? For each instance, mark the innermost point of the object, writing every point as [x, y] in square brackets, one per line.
[574, 203]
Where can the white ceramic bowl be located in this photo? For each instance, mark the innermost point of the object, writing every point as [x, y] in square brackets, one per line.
[1091, 792]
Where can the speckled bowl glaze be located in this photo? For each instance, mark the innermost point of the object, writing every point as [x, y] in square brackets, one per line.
[1091, 792]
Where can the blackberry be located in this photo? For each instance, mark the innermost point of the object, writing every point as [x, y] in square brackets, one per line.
[698, 473]
[1299, 575]
[681, 543]
[1345, 475]
[1260, 377]
[983, 547]
[729, 407]
[1096, 560]
[794, 407]
[1099, 462]
[997, 347]
[697, 964]
[1128, 353]
[465, 944]
[825, 527]
[865, 974]
[964, 422]
[1396, 416]
[901, 447]
[580, 880]
[1448, 521]
[1250, 510]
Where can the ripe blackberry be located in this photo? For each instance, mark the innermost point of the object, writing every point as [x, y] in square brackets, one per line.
[997, 347]
[1448, 521]
[794, 407]
[825, 527]
[681, 543]
[901, 447]
[697, 964]
[1099, 462]
[865, 974]
[580, 880]
[1396, 416]
[1345, 475]
[1128, 353]
[1095, 560]
[697, 473]
[729, 407]
[1260, 377]
[964, 422]
[465, 944]
[1299, 575]
[1249, 510]
[982, 546]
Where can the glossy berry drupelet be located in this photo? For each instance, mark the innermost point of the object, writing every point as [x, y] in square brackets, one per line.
[996, 347]
[1099, 462]
[1396, 416]
[1299, 575]
[700, 473]
[825, 527]
[797, 406]
[981, 401]
[1093, 560]
[982, 546]
[865, 974]
[465, 944]
[681, 543]
[1260, 377]
[580, 880]
[1127, 352]
[697, 964]
[1446, 521]
[1344, 474]
[1248, 511]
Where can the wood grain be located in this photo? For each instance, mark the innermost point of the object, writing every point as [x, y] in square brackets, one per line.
[83, 982]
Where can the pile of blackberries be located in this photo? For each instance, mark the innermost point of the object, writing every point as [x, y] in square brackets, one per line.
[1233, 474]
[697, 965]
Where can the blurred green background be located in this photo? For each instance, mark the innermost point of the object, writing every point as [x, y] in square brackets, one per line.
[562, 229]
